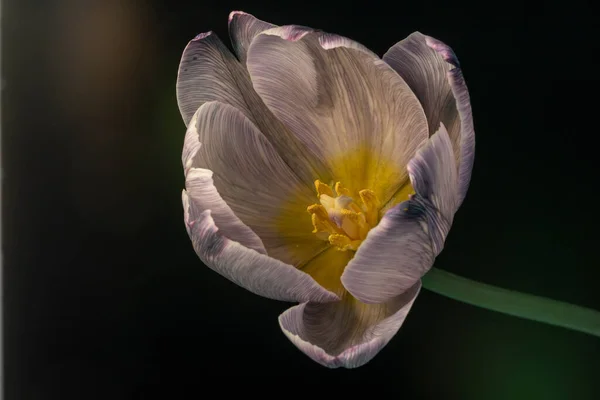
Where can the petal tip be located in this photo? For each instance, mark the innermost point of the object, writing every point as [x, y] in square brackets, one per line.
[309, 328]
[291, 33]
[201, 36]
[442, 49]
[185, 200]
[234, 13]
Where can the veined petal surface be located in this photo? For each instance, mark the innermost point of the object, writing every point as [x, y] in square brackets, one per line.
[243, 28]
[345, 333]
[433, 72]
[254, 181]
[349, 108]
[402, 248]
[209, 72]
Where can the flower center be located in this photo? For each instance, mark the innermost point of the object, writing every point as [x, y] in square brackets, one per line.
[339, 219]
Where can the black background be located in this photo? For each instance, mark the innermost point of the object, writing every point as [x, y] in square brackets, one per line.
[104, 297]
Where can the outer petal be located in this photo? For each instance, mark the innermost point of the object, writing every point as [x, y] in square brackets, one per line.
[202, 192]
[242, 29]
[432, 70]
[331, 41]
[346, 333]
[347, 107]
[260, 274]
[209, 72]
[402, 247]
[434, 178]
[254, 181]
[393, 257]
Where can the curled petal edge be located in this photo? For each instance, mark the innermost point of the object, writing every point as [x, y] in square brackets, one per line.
[291, 323]
[463, 106]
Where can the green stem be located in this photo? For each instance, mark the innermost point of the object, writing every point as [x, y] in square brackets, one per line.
[513, 303]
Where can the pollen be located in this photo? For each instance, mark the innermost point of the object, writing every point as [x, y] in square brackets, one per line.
[340, 190]
[323, 188]
[340, 219]
[371, 203]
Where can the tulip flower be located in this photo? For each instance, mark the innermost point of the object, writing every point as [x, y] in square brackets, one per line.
[317, 172]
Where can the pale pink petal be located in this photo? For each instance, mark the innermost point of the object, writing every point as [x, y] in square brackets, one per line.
[201, 191]
[433, 72]
[344, 333]
[434, 175]
[209, 72]
[243, 28]
[402, 247]
[261, 189]
[347, 107]
[332, 41]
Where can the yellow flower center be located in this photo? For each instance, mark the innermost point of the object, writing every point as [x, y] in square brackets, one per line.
[341, 220]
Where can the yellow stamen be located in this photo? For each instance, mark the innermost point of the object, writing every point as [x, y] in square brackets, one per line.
[318, 210]
[354, 207]
[341, 221]
[320, 219]
[343, 242]
[340, 241]
[351, 215]
[341, 190]
[327, 201]
[371, 203]
[323, 188]
[319, 224]
[354, 224]
[354, 245]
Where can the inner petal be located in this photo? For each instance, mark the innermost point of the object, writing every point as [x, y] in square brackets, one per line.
[349, 108]
[255, 181]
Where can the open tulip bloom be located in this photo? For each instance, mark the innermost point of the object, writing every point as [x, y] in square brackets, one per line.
[317, 172]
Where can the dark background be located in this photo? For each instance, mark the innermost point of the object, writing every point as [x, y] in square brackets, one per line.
[104, 297]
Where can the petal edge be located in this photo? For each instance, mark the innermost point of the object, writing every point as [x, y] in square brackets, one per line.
[298, 324]
[255, 272]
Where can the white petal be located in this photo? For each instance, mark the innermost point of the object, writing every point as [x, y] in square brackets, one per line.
[345, 334]
[347, 107]
[403, 246]
[201, 191]
[261, 189]
[431, 69]
[243, 28]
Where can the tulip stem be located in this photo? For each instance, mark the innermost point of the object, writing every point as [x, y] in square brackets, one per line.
[513, 303]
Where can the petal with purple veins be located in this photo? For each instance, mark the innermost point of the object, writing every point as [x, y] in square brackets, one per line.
[349, 109]
[243, 28]
[255, 182]
[346, 333]
[393, 257]
[433, 174]
[209, 72]
[331, 41]
[201, 191]
[433, 72]
[403, 246]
